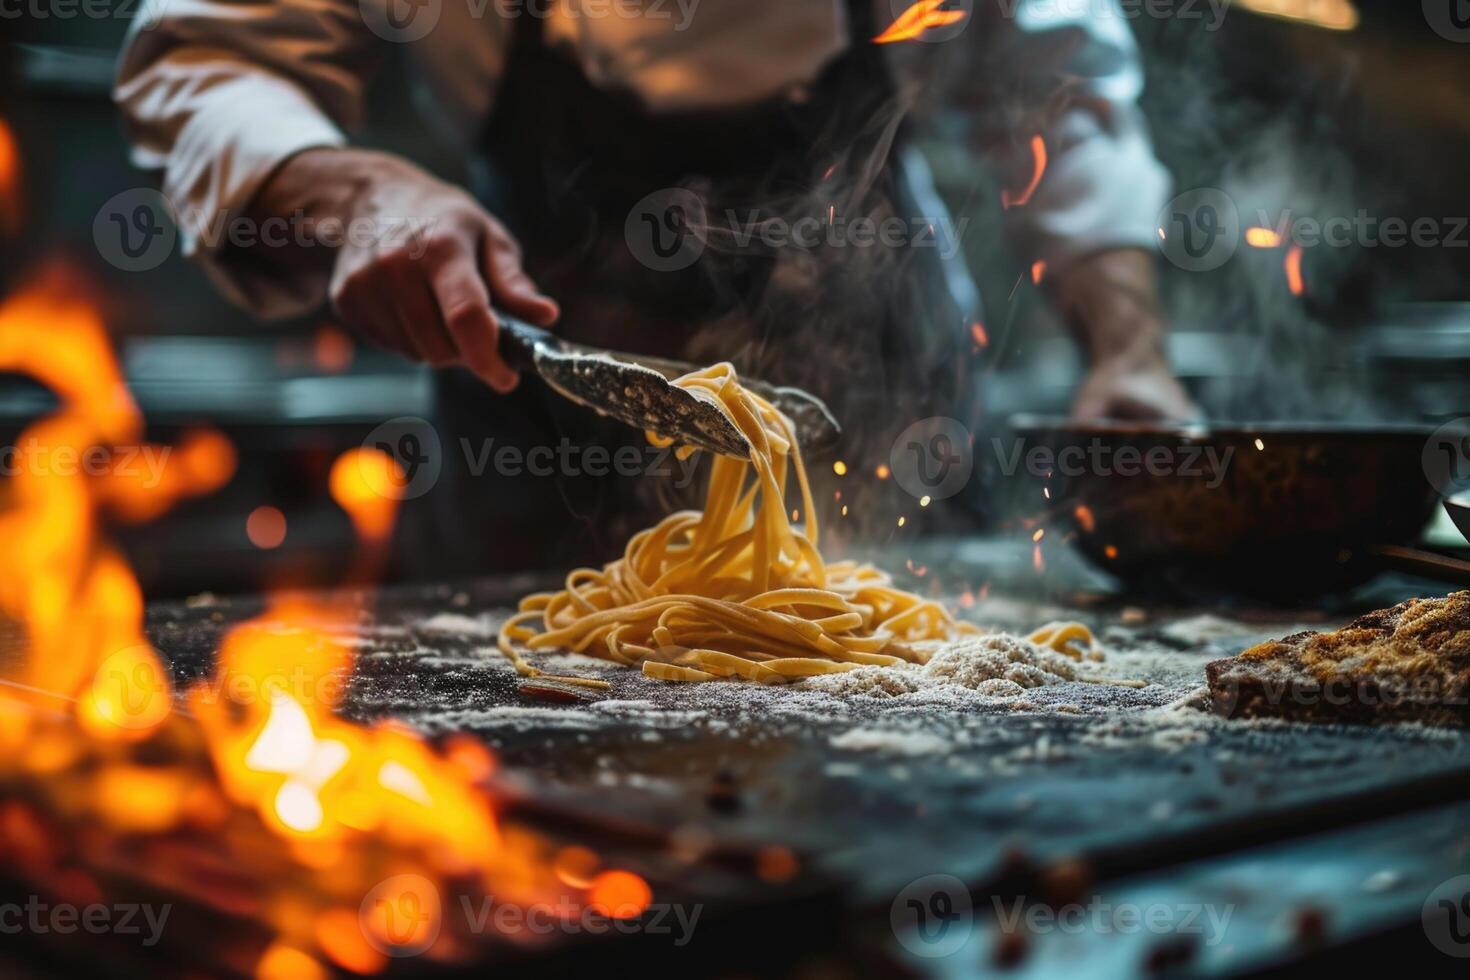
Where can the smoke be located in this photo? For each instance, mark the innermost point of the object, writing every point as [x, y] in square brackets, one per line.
[1279, 153]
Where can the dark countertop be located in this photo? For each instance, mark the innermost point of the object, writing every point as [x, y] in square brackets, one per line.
[1142, 787]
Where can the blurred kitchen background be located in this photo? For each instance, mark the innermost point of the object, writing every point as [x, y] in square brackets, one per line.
[1316, 107]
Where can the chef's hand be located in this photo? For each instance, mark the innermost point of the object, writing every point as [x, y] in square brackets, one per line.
[1111, 299]
[414, 263]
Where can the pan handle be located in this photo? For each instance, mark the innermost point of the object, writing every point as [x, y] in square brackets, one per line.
[1425, 563]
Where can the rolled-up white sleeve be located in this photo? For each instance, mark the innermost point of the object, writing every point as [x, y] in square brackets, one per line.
[1103, 186]
[218, 93]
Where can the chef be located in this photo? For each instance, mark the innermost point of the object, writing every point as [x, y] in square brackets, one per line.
[707, 179]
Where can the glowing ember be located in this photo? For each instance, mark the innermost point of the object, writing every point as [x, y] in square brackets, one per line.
[368, 483]
[978, 335]
[1258, 237]
[1037, 561]
[619, 894]
[1085, 519]
[1110, 551]
[1038, 272]
[10, 177]
[776, 864]
[1294, 280]
[332, 350]
[266, 527]
[576, 866]
[917, 19]
[882, 472]
[1038, 170]
[840, 468]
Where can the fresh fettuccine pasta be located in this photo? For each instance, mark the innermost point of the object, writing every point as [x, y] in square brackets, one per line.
[738, 591]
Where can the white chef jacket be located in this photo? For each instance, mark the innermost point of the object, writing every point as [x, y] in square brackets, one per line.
[218, 93]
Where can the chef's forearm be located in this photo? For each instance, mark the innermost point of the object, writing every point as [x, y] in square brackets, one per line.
[1110, 299]
[318, 192]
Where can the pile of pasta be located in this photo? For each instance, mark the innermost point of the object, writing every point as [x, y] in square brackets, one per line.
[739, 591]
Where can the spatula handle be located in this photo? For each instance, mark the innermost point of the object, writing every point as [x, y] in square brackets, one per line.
[519, 341]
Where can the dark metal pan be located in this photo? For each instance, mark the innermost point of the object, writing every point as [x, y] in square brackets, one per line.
[1279, 511]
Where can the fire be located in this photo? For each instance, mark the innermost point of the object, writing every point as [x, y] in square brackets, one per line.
[1038, 170]
[250, 795]
[917, 19]
[1294, 280]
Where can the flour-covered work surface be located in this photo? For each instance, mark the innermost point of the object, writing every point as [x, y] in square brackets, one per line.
[993, 748]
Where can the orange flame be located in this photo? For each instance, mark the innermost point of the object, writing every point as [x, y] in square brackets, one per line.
[917, 19]
[1038, 170]
[1038, 272]
[324, 826]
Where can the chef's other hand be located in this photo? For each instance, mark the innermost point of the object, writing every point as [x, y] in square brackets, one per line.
[1143, 390]
[1111, 300]
[415, 264]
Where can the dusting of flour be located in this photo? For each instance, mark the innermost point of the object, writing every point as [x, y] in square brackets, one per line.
[996, 666]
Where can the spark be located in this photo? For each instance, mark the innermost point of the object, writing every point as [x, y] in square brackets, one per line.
[1294, 280]
[1038, 157]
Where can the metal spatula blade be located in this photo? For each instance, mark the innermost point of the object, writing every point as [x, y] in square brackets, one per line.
[638, 391]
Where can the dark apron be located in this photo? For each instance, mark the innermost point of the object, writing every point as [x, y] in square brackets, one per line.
[871, 328]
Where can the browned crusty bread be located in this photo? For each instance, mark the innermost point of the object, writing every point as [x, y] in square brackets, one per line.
[1408, 663]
